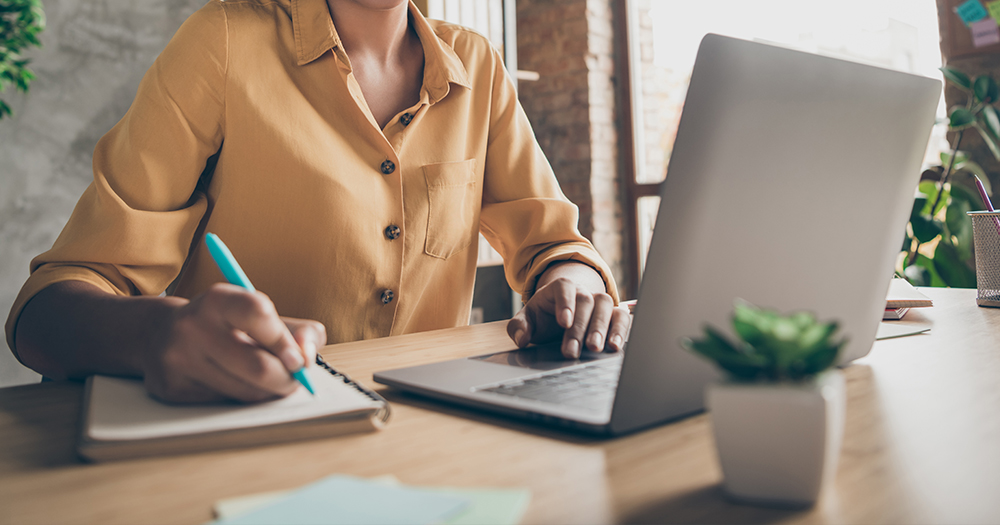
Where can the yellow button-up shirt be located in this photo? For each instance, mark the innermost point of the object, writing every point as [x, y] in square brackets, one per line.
[251, 125]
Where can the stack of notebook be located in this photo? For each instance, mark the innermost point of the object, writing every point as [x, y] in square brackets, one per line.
[903, 296]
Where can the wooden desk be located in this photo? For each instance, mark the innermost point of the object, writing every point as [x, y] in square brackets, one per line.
[922, 446]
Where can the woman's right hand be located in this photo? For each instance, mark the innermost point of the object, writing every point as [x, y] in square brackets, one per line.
[227, 343]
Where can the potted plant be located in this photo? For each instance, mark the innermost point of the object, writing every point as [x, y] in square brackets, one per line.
[20, 23]
[778, 418]
[938, 242]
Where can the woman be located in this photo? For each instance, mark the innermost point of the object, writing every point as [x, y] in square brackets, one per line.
[348, 152]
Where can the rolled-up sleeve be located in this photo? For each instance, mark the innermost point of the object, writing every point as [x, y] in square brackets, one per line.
[131, 231]
[525, 215]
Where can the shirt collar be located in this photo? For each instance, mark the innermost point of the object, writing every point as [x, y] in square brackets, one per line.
[314, 31]
[315, 35]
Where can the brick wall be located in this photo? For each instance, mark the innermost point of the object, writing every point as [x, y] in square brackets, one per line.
[570, 43]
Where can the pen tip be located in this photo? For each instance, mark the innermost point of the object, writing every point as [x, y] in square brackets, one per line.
[301, 376]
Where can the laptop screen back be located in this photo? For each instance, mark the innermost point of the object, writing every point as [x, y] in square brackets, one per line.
[789, 186]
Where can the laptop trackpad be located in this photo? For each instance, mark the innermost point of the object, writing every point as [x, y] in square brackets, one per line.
[541, 357]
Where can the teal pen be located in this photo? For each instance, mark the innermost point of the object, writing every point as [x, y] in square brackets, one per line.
[234, 274]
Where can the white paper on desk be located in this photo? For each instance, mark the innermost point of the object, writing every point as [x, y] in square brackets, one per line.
[893, 329]
[120, 409]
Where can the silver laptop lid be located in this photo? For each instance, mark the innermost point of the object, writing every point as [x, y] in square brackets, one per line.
[789, 186]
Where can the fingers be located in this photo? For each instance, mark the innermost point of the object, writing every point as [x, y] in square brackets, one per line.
[229, 343]
[244, 371]
[621, 323]
[309, 335]
[549, 311]
[564, 295]
[254, 314]
[212, 367]
[600, 319]
[519, 328]
[586, 320]
[575, 333]
[599, 324]
[207, 351]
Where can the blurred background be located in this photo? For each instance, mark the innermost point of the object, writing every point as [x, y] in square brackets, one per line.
[603, 82]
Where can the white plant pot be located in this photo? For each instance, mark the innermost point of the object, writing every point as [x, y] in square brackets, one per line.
[778, 443]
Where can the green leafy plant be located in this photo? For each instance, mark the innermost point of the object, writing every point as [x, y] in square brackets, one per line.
[772, 347]
[20, 23]
[938, 221]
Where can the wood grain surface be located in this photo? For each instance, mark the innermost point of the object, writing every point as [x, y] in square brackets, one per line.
[922, 445]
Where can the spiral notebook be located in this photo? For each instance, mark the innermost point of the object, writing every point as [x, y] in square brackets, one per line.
[121, 420]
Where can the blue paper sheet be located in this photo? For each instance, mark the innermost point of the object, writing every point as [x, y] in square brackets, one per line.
[345, 500]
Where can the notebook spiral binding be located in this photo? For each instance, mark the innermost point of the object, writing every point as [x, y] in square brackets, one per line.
[382, 413]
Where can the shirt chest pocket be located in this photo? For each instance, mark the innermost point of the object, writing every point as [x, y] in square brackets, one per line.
[453, 202]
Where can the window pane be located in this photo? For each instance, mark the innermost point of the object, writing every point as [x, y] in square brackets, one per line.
[657, 97]
[664, 38]
[647, 208]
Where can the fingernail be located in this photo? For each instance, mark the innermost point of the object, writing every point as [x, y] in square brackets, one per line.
[296, 361]
[309, 348]
[574, 348]
[567, 318]
[616, 341]
[293, 359]
[518, 335]
[596, 341]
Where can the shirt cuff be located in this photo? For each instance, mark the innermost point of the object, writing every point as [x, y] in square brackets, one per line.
[574, 251]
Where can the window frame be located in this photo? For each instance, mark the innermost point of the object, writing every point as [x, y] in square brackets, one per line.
[629, 103]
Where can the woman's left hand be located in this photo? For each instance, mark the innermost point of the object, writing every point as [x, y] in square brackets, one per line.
[566, 304]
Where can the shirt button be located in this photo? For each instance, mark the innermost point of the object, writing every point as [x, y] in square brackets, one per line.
[388, 167]
[391, 232]
[387, 296]
[405, 119]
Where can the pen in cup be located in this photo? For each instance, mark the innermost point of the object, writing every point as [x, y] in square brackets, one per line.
[986, 201]
[982, 194]
[234, 274]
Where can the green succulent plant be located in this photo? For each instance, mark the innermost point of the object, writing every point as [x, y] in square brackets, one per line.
[772, 347]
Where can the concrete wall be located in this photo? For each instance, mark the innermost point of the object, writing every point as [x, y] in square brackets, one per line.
[95, 52]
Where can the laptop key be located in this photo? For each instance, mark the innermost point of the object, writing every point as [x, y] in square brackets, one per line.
[590, 387]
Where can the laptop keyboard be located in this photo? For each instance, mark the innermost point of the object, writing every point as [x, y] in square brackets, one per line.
[591, 386]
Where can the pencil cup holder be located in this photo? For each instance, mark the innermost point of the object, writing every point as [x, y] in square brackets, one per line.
[986, 234]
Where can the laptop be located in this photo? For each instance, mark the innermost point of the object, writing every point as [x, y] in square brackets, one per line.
[790, 184]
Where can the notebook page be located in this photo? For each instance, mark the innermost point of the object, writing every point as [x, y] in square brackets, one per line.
[121, 409]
